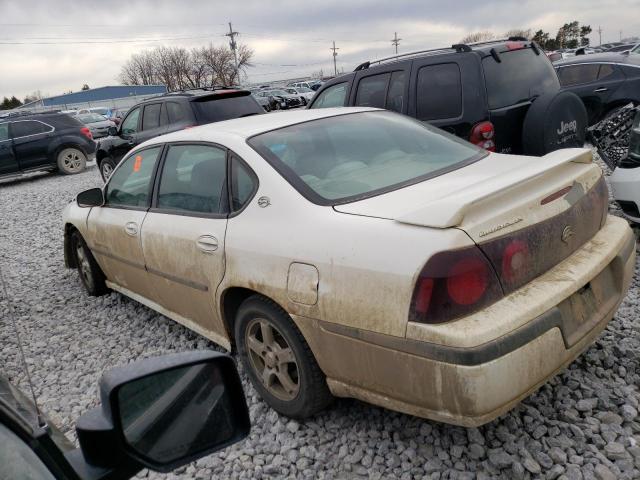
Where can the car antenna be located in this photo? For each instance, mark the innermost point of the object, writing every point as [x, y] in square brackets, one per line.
[12, 313]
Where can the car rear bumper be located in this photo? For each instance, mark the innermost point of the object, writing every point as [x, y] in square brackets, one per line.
[474, 383]
[625, 183]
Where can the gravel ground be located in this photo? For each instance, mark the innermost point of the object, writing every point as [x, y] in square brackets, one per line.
[582, 424]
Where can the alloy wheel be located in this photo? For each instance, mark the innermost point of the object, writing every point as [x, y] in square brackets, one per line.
[107, 170]
[272, 359]
[84, 266]
[72, 160]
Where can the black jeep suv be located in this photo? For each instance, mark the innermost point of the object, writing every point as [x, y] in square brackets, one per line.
[41, 142]
[169, 113]
[502, 95]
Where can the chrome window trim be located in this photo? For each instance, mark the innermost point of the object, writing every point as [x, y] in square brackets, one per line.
[33, 134]
[558, 67]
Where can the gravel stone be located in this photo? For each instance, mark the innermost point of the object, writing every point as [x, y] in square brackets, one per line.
[583, 422]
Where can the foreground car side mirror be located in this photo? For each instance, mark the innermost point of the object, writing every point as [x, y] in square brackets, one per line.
[93, 197]
[161, 413]
[113, 131]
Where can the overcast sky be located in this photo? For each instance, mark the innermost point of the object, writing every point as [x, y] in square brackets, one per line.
[58, 45]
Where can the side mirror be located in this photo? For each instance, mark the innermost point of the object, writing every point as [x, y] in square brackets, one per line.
[90, 198]
[113, 131]
[161, 413]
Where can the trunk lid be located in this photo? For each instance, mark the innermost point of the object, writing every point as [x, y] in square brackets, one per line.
[542, 207]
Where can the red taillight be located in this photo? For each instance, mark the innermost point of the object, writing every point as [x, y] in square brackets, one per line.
[454, 284]
[86, 132]
[468, 281]
[482, 135]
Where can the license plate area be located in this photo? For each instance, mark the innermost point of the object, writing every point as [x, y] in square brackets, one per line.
[583, 310]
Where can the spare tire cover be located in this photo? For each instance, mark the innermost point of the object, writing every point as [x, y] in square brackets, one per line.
[555, 120]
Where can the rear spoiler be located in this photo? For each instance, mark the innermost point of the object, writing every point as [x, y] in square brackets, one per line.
[450, 211]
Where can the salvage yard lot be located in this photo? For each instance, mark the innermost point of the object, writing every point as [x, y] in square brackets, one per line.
[583, 423]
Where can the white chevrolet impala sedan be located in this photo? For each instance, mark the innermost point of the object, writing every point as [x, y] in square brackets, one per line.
[360, 253]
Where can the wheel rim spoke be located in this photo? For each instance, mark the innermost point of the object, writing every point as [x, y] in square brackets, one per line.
[285, 355]
[255, 346]
[267, 334]
[267, 377]
[287, 382]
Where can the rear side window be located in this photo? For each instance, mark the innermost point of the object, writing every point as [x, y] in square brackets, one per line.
[371, 91]
[578, 74]
[243, 184]
[177, 113]
[219, 108]
[395, 96]
[28, 127]
[334, 96]
[605, 70]
[151, 116]
[193, 179]
[130, 183]
[439, 92]
[520, 75]
[4, 131]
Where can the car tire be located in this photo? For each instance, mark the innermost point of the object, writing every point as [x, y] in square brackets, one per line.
[91, 274]
[278, 360]
[554, 120]
[107, 166]
[71, 160]
[277, 107]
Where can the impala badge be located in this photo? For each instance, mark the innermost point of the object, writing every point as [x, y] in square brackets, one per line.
[567, 233]
[264, 202]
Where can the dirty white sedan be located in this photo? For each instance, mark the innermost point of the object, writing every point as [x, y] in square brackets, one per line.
[359, 253]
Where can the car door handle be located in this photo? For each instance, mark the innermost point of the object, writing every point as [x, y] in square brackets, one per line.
[207, 243]
[600, 90]
[131, 229]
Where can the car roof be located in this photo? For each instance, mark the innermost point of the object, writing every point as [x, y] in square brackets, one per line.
[249, 126]
[605, 57]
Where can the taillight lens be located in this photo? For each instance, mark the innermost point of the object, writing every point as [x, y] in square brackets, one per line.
[454, 284]
[482, 135]
[86, 132]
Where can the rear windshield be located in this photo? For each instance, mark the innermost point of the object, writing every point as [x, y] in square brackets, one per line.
[216, 108]
[348, 157]
[519, 76]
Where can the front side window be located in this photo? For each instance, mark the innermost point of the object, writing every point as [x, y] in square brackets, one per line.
[348, 157]
[130, 124]
[439, 92]
[334, 96]
[151, 116]
[28, 127]
[605, 71]
[578, 74]
[130, 183]
[242, 184]
[371, 91]
[193, 179]
[17, 460]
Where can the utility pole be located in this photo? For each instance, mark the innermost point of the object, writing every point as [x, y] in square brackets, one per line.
[395, 40]
[620, 35]
[233, 45]
[335, 54]
[600, 33]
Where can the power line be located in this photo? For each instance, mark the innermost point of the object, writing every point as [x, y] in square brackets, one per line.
[395, 40]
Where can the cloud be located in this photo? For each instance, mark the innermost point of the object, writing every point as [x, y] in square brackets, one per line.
[290, 38]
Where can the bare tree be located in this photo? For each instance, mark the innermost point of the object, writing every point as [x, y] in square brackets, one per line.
[179, 68]
[478, 37]
[518, 32]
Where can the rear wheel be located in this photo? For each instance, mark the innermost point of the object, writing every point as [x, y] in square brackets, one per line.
[71, 160]
[107, 165]
[279, 362]
[90, 273]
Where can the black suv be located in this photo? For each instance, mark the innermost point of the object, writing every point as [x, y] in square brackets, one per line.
[502, 95]
[169, 113]
[43, 141]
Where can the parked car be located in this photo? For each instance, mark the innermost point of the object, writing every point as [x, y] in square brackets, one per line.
[604, 81]
[265, 101]
[44, 142]
[284, 99]
[625, 179]
[135, 427]
[306, 84]
[305, 94]
[621, 48]
[501, 95]
[446, 323]
[98, 124]
[635, 50]
[168, 113]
